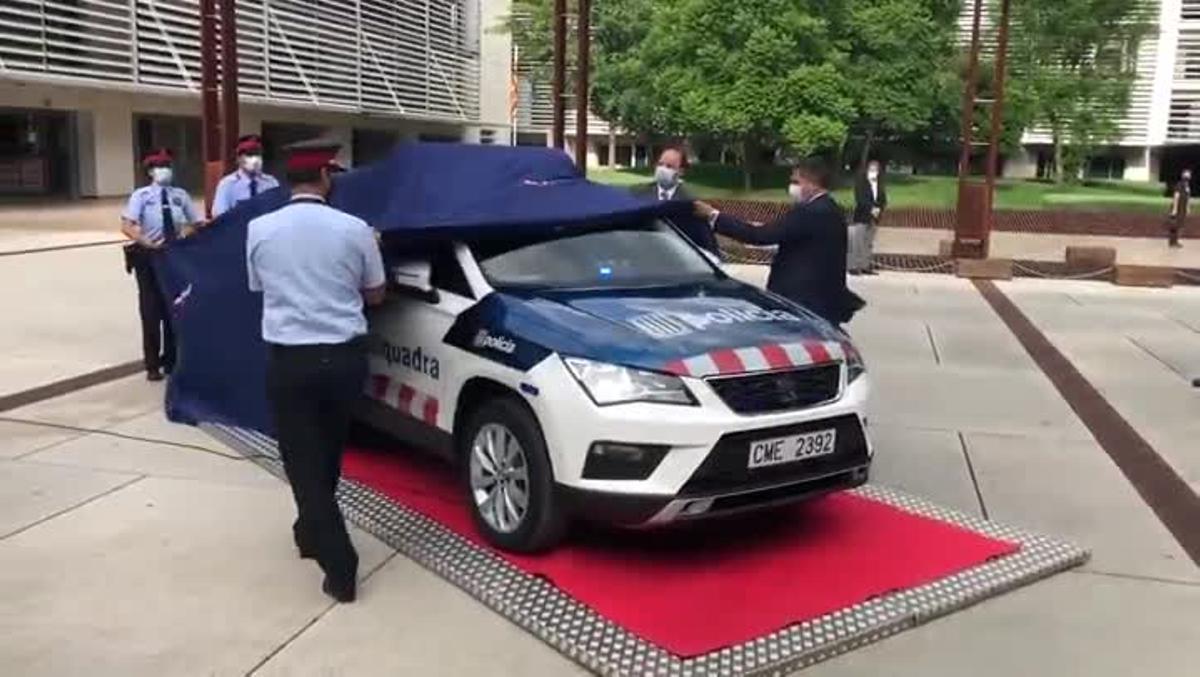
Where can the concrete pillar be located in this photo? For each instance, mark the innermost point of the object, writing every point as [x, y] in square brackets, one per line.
[1021, 164]
[495, 64]
[85, 154]
[343, 134]
[249, 122]
[1154, 158]
[593, 153]
[1137, 164]
[111, 149]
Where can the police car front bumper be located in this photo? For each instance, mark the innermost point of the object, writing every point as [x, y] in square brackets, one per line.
[704, 469]
[639, 510]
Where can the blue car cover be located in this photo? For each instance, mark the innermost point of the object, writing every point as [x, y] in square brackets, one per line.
[429, 190]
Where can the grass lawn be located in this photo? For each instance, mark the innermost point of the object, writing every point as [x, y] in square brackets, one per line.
[711, 182]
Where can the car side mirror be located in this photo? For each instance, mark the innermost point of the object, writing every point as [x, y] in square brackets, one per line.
[414, 275]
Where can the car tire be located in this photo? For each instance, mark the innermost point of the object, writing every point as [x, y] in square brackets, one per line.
[542, 523]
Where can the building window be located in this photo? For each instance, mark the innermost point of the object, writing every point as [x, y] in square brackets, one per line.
[1105, 167]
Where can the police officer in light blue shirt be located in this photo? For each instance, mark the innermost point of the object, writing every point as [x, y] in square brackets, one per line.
[155, 216]
[316, 268]
[247, 181]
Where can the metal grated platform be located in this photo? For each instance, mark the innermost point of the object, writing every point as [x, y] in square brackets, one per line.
[605, 648]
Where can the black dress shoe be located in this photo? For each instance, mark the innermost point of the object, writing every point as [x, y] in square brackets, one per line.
[344, 593]
[154, 375]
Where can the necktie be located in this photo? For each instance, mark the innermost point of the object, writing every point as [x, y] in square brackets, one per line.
[168, 220]
[253, 186]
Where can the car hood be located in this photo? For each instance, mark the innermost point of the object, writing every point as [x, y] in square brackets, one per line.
[719, 327]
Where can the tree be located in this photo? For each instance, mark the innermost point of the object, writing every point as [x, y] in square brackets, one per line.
[1074, 64]
[754, 74]
[900, 54]
[760, 75]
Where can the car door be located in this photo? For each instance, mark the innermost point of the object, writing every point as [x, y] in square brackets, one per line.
[409, 362]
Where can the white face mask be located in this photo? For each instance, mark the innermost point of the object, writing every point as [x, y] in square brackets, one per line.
[797, 192]
[161, 175]
[251, 164]
[666, 177]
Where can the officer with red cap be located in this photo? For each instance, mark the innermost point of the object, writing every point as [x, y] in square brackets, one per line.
[247, 181]
[156, 215]
[316, 268]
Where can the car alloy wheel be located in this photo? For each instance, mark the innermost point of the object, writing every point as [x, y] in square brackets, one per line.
[499, 478]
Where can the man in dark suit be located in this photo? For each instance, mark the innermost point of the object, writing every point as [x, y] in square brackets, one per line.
[668, 185]
[810, 266]
[1181, 198]
[870, 199]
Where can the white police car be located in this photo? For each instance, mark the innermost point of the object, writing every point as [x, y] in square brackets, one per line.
[613, 374]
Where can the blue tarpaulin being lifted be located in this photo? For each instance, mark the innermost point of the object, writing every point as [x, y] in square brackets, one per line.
[419, 191]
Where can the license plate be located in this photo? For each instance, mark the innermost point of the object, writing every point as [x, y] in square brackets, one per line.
[793, 448]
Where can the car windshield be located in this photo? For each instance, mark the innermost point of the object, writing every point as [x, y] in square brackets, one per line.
[623, 256]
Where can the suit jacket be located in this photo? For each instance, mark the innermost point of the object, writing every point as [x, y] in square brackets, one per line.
[810, 266]
[865, 201]
[694, 227]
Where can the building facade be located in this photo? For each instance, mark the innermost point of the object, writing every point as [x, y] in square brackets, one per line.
[86, 86]
[1161, 127]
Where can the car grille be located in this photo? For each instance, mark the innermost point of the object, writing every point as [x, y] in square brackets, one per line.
[776, 391]
[727, 467]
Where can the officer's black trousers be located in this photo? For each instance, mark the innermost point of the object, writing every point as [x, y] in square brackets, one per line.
[312, 390]
[158, 340]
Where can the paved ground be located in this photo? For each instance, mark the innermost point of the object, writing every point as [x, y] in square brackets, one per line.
[142, 550]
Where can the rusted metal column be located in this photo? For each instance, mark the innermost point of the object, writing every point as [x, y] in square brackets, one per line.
[559, 80]
[993, 158]
[969, 92]
[229, 83]
[583, 66]
[209, 106]
[972, 214]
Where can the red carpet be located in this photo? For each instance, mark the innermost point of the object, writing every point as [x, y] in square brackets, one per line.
[709, 586]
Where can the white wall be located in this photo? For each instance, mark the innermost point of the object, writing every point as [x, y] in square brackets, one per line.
[495, 64]
[114, 149]
[1021, 164]
[1139, 165]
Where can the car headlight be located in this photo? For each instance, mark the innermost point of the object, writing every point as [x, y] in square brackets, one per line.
[612, 384]
[855, 366]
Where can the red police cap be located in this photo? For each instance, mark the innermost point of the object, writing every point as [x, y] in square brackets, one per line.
[250, 144]
[159, 157]
[308, 156]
